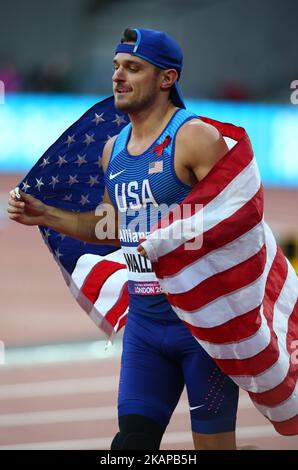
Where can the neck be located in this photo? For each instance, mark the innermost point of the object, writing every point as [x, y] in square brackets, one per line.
[148, 122]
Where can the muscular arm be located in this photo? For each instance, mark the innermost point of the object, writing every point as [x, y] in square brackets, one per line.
[30, 211]
[198, 147]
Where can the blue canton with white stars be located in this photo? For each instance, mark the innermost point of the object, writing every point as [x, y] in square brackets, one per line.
[69, 176]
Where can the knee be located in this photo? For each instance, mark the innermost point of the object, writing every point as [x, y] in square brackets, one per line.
[135, 441]
[137, 433]
[220, 441]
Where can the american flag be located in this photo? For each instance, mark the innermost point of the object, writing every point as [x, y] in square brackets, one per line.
[155, 167]
[236, 292]
[69, 176]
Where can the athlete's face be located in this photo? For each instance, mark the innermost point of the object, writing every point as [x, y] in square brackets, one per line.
[135, 83]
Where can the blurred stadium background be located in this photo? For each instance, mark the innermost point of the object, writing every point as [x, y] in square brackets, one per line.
[58, 384]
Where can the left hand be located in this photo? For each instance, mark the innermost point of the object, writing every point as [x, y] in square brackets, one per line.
[142, 251]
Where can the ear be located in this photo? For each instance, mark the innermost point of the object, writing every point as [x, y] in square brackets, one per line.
[169, 77]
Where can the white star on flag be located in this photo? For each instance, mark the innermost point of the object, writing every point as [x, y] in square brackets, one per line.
[45, 162]
[93, 180]
[25, 186]
[55, 180]
[58, 254]
[98, 118]
[70, 140]
[67, 197]
[119, 120]
[80, 160]
[72, 180]
[84, 200]
[47, 233]
[61, 160]
[89, 139]
[39, 183]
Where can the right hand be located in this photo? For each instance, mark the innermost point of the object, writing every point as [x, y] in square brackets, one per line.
[27, 210]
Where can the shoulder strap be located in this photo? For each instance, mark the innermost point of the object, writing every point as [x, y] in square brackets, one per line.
[176, 122]
[120, 142]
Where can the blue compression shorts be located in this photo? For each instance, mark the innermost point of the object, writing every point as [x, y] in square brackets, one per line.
[160, 357]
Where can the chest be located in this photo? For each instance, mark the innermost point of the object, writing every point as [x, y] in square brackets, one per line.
[136, 182]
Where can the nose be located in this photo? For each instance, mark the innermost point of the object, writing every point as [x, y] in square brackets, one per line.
[118, 75]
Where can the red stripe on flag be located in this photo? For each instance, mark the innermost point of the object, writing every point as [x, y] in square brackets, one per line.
[292, 339]
[120, 306]
[284, 390]
[253, 365]
[275, 281]
[122, 322]
[234, 330]
[97, 277]
[227, 129]
[288, 427]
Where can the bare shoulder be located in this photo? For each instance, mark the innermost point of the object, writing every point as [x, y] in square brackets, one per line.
[199, 146]
[107, 150]
[196, 132]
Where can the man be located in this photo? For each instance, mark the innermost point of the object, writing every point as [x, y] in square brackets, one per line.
[154, 162]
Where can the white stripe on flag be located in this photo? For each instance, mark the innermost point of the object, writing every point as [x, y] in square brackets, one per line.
[230, 142]
[86, 262]
[83, 267]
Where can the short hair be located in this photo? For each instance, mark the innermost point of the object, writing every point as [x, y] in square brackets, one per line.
[129, 35]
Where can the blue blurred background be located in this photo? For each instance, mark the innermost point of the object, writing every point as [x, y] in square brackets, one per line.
[31, 122]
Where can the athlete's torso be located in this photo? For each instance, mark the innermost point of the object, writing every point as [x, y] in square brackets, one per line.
[144, 188]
